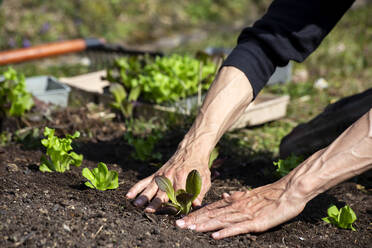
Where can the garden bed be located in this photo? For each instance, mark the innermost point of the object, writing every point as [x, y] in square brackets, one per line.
[56, 209]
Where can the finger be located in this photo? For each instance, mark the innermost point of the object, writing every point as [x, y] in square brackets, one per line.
[146, 195]
[194, 220]
[215, 205]
[156, 203]
[138, 187]
[239, 228]
[223, 221]
[237, 194]
[225, 195]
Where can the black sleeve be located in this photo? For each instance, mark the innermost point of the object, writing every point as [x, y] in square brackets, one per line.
[290, 30]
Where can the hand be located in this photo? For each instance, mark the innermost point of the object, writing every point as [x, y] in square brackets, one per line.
[176, 170]
[243, 212]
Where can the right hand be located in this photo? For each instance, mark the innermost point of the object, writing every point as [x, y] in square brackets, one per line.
[176, 170]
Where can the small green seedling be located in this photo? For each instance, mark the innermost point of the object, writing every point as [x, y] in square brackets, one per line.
[58, 151]
[213, 156]
[101, 178]
[181, 199]
[343, 218]
[284, 166]
[123, 101]
[14, 98]
[144, 146]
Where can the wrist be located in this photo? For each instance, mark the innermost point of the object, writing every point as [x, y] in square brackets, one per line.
[304, 183]
[192, 146]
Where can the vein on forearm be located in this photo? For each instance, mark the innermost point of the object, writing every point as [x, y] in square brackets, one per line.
[226, 100]
[348, 156]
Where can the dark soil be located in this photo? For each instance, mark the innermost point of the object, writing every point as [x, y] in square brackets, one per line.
[56, 210]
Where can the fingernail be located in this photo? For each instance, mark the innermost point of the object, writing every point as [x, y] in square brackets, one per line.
[180, 223]
[139, 202]
[150, 209]
[197, 202]
[129, 195]
[192, 227]
[215, 235]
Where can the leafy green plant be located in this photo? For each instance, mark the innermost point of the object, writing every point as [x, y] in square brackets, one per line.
[343, 218]
[5, 138]
[144, 146]
[284, 166]
[14, 99]
[181, 199]
[122, 100]
[163, 79]
[58, 151]
[29, 137]
[213, 157]
[101, 178]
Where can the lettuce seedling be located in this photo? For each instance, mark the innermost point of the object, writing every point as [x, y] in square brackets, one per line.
[14, 98]
[101, 178]
[343, 218]
[59, 158]
[123, 101]
[181, 199]
[284, 166]
[213, 156]
[144, 146]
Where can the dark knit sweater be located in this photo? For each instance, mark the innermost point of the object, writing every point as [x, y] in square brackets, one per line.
[290, 30]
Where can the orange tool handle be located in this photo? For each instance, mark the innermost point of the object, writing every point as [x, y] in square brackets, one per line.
[46, 50]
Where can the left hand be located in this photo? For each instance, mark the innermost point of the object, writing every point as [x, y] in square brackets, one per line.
[243, 212]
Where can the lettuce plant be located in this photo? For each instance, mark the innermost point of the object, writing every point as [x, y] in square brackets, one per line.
[284, 166]
[144, 146]
[343, 218]
[122, 100]
[181, 199]
[14, 98]
[163, 79]
[59, 155]
[101, 178]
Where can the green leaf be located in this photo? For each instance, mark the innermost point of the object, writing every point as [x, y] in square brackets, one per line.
[101, 178]
[183, 197]
[134, 93]
[327, 219]
[59, 159]
[213, 156]
[166, 78]
[343, 218]
[166, 186]
[333, 211]
[346, 217]
[193, 184]
[91, 179]
[284, 166]
[118, 92]
[14, 98]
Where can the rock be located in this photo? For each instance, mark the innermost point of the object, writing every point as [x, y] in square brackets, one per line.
[321, 83]
[43, 211]
[66, 228]
[300, 75]
[12, 167]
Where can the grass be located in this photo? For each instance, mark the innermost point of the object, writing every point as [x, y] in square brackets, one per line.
[344, 58]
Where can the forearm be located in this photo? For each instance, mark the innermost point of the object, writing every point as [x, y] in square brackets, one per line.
[348, 156]
[226, 100]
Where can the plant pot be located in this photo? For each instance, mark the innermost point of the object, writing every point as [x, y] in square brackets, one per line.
[48, 89]
[264, 108]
